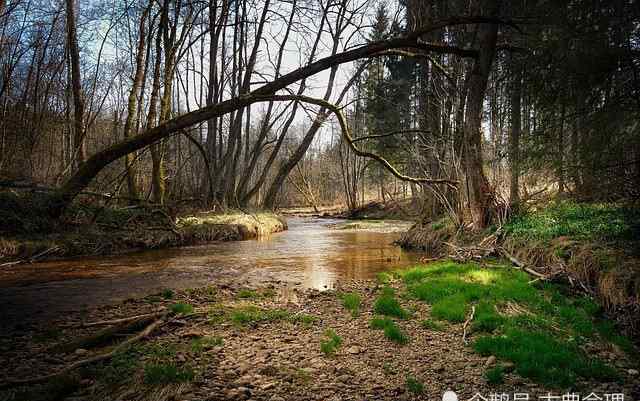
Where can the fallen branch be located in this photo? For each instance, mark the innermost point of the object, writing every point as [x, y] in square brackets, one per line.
[98, 358]
[122, 320]
[466, 324]
[33, 258]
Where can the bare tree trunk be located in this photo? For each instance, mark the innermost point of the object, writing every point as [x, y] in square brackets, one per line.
[132, 104]
[76, 83]
[514, 138]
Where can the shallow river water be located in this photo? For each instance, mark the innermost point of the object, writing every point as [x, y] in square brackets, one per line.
[312, 254]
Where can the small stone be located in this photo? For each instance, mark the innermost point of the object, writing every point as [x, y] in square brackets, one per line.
[354, 350]
[193, 334]
[81, 351]
[633, 372]
[490, 361]
[508, 366]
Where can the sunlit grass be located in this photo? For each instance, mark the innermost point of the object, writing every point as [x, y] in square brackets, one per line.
[330, 345]
[538, 328]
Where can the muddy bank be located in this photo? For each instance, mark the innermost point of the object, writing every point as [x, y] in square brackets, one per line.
[273, 343]
[115, 231]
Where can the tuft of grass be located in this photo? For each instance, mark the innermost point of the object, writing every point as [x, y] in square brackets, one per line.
[251, 315]
[352, 301]
[433, 325]
[495, 375]
[121, 367]
[167, 293]
[386, 304]
[199, 345]
[165, 373]
[487, 318]
[331, 344]
[390, 329]
[414, 386]
[181, 308]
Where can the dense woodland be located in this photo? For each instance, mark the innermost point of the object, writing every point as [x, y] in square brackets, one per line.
[468, 105]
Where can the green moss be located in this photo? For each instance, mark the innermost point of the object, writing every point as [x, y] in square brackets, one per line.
[351, 301]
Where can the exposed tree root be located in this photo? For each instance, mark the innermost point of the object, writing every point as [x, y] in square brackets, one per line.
[98, 358]
[123, 320]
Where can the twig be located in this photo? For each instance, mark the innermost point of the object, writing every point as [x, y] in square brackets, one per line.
[466, 323]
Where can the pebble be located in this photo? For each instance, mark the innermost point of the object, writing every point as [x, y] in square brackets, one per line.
[81, 351]
[633, 372]
[490, 361]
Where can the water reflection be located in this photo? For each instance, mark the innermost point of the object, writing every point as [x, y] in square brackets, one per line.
[310, 253]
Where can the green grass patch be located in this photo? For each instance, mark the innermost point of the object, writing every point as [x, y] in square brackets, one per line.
[387, 304]
[433, 325]
[414, 385]
[181, 308]
[330, 345]
[544, 358]
[165, 373]
[167, 293]
[539, 328]
[495, 375]
[390, 329]
[594, 222]
[351, 301]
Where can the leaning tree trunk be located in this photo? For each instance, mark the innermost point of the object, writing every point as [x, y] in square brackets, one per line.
[481, 195]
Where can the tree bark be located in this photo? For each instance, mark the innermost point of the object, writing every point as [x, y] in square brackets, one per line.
[481, 196]
[76, 83]
[514, 138]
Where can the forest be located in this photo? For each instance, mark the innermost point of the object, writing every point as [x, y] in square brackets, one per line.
[319, 199]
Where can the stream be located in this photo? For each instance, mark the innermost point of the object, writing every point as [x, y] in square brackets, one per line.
[312, 253]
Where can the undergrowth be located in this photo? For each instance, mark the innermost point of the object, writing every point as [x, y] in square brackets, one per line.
[330, 345]
[581, 221]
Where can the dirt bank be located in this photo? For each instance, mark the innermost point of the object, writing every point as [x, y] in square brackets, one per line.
[272, 343]
[94, 231]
